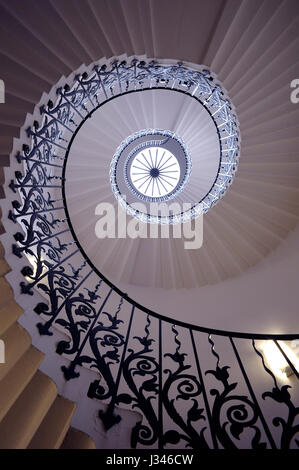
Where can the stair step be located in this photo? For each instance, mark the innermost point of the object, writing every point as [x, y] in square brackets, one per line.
[5, 149]
[18, 378]
[55, 425]
[24, 418]
[9, 314]
[75, 439]
[2, 251]
[16, 342]
[4, 267]
[6, 293]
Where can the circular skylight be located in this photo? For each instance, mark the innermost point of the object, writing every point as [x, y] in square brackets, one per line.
[155, 172]
[212, 135]
[151, 166]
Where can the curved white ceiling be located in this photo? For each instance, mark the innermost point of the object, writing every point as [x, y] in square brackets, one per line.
[251, 45]
[97, 140]
[88, 165]
[258, 211]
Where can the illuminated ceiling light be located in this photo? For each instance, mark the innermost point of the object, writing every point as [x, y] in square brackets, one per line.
[277, 361]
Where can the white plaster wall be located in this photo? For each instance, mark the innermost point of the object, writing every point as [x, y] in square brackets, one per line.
[263, 299]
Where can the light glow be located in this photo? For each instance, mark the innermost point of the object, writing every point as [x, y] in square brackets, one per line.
[276, 360]
[155, 172]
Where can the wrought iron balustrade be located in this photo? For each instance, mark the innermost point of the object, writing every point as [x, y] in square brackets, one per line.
[193, 386]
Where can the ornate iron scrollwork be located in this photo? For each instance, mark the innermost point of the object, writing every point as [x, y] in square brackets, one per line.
[131, 366]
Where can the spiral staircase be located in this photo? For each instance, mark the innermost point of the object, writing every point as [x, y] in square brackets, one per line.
[123, 343]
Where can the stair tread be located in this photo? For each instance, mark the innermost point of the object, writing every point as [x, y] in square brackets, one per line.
[18, 378]
[55, 425]
[76, 439]
[16, 341]
[24, 418]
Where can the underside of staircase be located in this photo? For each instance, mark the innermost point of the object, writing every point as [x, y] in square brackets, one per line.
[51, 399]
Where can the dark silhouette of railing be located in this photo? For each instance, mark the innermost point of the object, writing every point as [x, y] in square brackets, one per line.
[194, 386]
